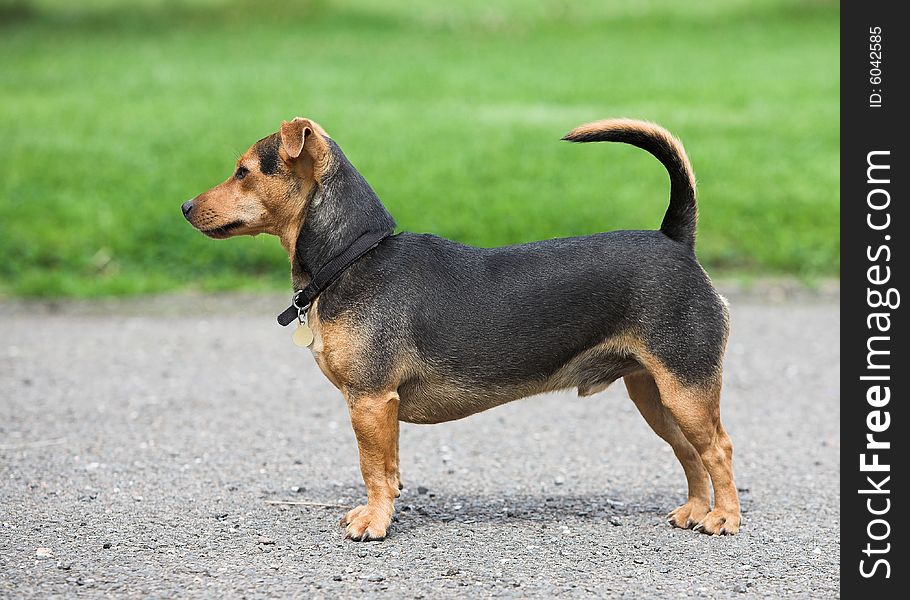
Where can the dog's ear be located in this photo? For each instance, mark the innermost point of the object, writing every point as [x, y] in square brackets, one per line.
[303, 138]
[294, 134]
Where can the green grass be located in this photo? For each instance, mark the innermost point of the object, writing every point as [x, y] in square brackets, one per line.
[112, 114]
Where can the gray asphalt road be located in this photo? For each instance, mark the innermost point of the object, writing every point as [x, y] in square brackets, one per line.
[140, 443]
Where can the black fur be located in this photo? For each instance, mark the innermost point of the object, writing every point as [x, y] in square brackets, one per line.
[340, 208]
[521, 312]
[491, 317]
[267, 150]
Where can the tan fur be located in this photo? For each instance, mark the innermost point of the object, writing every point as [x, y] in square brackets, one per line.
[375, 422]
[434, 397]
[266, 204]
[622, 345]
[644, 393]
[318, 345]
[339, 351]
[696, 410]
[646, 127]
[305, 139]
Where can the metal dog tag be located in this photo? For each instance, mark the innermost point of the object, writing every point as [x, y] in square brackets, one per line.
[303, 335]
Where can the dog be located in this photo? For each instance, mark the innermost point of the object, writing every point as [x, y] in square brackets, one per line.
[421, 329]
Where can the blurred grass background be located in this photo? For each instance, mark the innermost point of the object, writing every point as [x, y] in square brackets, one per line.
[114, 113]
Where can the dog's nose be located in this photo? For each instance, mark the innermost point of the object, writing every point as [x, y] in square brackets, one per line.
[186, 208]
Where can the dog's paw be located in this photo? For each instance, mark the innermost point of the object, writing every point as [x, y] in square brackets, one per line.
[352, 514]
[366, 523]
[719, 522]
[689, 514]
[395, 485]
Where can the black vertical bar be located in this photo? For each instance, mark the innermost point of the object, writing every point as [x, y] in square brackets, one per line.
[874, 391]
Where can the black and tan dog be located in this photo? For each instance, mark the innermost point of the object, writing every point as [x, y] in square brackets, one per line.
[423, 330]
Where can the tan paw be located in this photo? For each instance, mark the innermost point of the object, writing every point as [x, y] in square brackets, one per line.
[395, 484]
[719, 522]
[689, 514]
[352, 514]
[366, 523]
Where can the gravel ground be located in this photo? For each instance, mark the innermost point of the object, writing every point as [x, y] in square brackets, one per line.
[140, 443]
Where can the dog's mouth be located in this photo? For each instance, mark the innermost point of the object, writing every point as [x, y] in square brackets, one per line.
[222, 232]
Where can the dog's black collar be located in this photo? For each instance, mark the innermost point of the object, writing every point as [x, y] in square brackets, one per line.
[329, 272]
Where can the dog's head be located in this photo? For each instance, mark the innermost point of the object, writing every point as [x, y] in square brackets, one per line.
[268, 189]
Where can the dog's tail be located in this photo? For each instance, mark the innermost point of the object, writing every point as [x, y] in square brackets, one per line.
[682, 215]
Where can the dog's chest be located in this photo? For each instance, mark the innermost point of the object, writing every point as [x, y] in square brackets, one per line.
[318, 347]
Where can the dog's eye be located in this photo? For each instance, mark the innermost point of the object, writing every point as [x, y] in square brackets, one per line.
[241, 172]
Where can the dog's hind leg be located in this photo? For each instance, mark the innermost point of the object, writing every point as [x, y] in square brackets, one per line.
[644, 393]
[696, 409]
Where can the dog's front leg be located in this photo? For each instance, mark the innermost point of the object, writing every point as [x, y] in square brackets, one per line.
[375, 421]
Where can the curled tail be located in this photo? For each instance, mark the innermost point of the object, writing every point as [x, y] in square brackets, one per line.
[682, 214]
